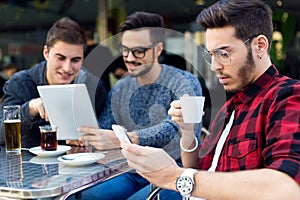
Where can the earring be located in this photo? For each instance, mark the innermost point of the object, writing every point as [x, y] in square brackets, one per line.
[259, 56]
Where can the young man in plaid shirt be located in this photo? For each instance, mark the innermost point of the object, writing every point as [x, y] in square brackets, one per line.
[260, 156]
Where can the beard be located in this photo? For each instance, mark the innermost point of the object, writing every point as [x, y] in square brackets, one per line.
[145, 67]
[245, 72]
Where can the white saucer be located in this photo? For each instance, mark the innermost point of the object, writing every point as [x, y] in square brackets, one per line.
[42, 153]
[69, 169]
[81, 159]
[44, 160]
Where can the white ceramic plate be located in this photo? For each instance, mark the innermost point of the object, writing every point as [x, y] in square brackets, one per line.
[42, 153]
[69, 169]
[81, 159]
[44, 160]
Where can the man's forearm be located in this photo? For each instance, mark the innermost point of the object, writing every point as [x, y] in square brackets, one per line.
[247, 185]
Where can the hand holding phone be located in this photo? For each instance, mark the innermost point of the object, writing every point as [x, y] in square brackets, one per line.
[121, 133]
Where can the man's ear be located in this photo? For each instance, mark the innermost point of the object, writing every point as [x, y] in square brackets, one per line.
[159, 48]
[46, 52]
[261, 44]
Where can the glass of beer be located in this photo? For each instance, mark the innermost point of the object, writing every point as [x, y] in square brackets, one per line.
[12, 128]
[48, 137]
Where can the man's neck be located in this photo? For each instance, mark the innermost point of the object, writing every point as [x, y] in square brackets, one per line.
[151, 76]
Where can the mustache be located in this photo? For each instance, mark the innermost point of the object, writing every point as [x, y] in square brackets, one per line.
[218, 74]
[134, 63]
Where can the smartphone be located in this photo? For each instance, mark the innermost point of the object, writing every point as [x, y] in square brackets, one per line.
[121, 133]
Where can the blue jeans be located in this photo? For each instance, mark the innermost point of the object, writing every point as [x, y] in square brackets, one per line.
[163, 195]
[120, 187]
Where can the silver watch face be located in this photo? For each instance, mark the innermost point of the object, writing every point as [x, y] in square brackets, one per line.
[185, 185]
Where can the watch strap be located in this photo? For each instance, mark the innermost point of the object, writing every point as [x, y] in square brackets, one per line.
[189, 172]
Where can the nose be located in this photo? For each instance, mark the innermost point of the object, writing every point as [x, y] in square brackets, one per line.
[67, 66]
[215, 65]
[130, 57]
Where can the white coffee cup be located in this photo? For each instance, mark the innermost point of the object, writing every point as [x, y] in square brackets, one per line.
[192, 108]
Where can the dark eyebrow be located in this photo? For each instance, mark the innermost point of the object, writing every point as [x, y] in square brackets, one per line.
[78, 57]
[60, 55]
[63, 56]
[224, 47]
[220, 48]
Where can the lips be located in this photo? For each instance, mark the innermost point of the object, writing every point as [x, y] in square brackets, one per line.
[223, 79]
[132, 65]
[65, 76]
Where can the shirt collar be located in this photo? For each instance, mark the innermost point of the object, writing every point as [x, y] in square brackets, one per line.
[250, 91]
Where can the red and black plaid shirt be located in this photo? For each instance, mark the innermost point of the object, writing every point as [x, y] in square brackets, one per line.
[266, 128]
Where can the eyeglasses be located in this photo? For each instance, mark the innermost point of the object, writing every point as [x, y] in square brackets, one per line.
[137, 52]
[222, 56]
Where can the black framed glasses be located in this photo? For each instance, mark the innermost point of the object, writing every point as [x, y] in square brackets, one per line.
[137, 52]
[222, 56]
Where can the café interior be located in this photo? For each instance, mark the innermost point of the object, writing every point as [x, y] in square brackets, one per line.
[23, 29]
[24, 25]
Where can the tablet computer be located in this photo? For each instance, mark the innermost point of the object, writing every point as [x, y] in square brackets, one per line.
[69, 107]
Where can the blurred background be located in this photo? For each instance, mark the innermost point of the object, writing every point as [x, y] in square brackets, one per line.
[24, 24]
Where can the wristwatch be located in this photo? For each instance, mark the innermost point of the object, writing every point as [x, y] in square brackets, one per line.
[185, 182]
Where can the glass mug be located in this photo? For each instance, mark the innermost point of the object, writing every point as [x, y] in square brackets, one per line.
[48, 137]
[12, 128]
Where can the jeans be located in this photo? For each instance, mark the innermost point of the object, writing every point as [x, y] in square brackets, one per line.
[120, 187]
[163, 195]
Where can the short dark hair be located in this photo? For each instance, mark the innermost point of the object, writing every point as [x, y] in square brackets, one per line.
[65, 30]
[249, 18]
[141, 19]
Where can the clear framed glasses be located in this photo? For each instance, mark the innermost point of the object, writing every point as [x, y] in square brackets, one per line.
[137, 52]
[222, 56]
